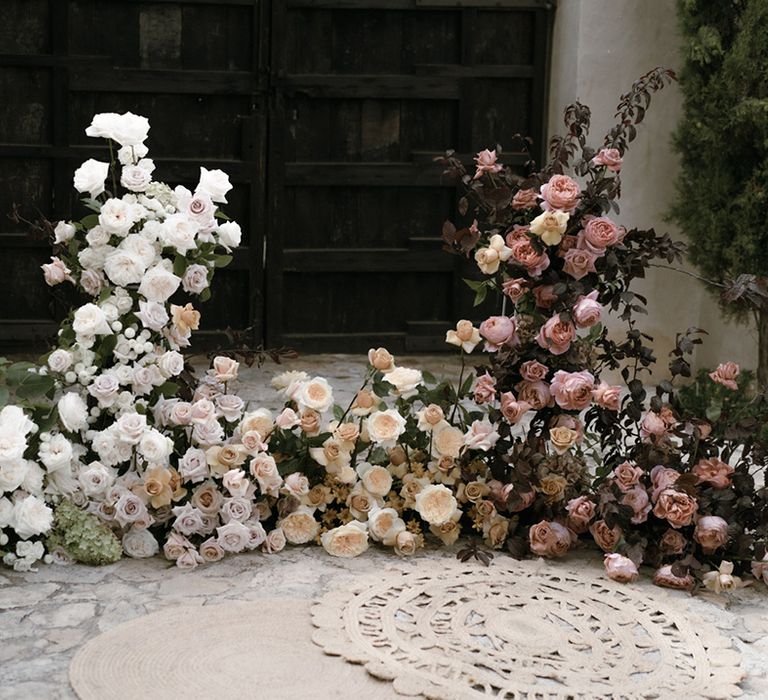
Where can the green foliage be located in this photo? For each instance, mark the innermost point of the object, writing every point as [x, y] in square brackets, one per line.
[83, 536]
[722, 190]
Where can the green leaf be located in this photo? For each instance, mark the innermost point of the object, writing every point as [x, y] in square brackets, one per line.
[467, 386]
[34, 386]
[18, 373]
[90, 221]
[107, 346]
[480, 296]
[205, 295]
[714, 410]
[382, 388]
[4, 394]
[474, 285]
[179, 265]
[168, 389]
[428, 377]
[221, 215]
[222, 260]
[338, 412]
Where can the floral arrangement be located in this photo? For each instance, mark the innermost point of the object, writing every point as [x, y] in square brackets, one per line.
[532, 453]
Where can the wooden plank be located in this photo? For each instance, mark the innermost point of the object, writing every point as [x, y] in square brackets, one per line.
[99, 79]
[507, 157]
[368, 86]
[50, 60]
[351, 174]
[505, 4]
[475, 71]
[366, 260]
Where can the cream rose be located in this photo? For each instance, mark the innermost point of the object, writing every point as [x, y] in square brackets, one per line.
[385, 427]
[347, 541]
[300, 526]
[435, 504]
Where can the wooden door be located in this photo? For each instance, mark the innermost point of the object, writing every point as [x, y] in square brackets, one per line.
[365, 94]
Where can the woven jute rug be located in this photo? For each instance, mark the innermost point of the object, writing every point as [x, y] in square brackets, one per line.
[229, 651]
[524, 630]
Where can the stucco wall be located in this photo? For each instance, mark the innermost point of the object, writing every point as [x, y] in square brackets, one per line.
[599, 48]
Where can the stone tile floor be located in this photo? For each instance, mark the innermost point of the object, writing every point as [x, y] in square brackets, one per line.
[46, 616]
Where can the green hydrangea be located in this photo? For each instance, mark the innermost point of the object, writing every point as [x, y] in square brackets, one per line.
[83, 536]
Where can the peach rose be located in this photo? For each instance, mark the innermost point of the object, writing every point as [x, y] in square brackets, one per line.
[347, 432]
[599, 233]
[533, 371]
[726, 375]
[652, 427]
[385, 427]
[572, 390]
[561, 192]
[485, 389]
[563, 439]
[606, 538]
[346, 541]
[587, 311]
[449, 531]
[579, 263]
[626, 476]
[549, 539]
[665, 577]
[672, 542]
[512, 409]
[556, 335]
[430, 417]
[580, 513]
[525, 199]
[185, 318]
[714, 471]
[377, 480]
[545, 296]
[676, 507]
[406, 543]
[381, 359]
[435, 504]
[364, 403]
[300, 526]
[525, 254]
[310, 422]
[607, 396]
[499, 331]
[711, 533]
[553, 487]
[515, 288]
[495, 531]
[608, 157]
[619, 568]
[466, 336]
[662, 478]
[536, 394]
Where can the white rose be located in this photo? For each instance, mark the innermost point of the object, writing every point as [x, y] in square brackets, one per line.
[230, 234]
[159, 284]
[12, 474]
[215, 184]
[195, 279]
[56, 453]
[230, 407]
[436, 504]
[135, 178]
[142, 247]
[128, 155]
[93, 258]
[209, 433]
[349, 540]
[155, 447]
[89, 321]
[179, 232]
[105, 388]
[315, 394]
[60, 360]
[152, 315]
[385, 427]
[97, 236]
[73, 412]
[384, 524]
[92, 282]
[234, 536]
[96, 479]
[300, 526]
[259, 420]
[171, 363]
[131, 427]
[31, 517]
[33, 479]
[64, 232]
[6, 512]
[124, 268]
[116, 217]
[140, 543]
[126, 129]
[200, 208]
[90, 177]
[405, 381]
[111, 450]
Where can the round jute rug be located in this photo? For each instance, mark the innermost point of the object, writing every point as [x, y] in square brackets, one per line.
[238, 650]
[524, 630]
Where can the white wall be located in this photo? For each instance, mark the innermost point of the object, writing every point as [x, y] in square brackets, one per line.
[599, 48]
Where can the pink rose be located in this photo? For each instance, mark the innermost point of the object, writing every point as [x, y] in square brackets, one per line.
[536, 394]
[652, 427]
[549, 539]
[556, 335]
[725, 374]
[672, 542]
[626, 476]
[486, 163]
[570, 422]
[599, 233]
[662, 478]
[711, 533]
[499, 331]
[512, 409]
[665, 577]
[517, 233]
[525, 199]
[607, 396]
[619, 568]
[545, 295]
[561, 192]
[676, 507]
[527, 256]
[579, 263]
[533, 371]
[637, 499]
[481, 435]
[515, 289]
[606, 538]
[572, 390]
[580, 513]
[485, 389]
[56, 272]
[587, 311]
[609, 157]
[713, 471]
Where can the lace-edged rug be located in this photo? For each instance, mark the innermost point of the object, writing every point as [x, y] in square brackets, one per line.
[524, 630]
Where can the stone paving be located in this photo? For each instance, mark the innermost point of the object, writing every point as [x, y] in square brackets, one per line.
[46, 616]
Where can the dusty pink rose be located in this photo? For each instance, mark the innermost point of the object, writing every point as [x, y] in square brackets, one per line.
[566, 244]
[598, 234]
[652, 427]
[549, 539]
[665, 577]
[517, 233]
[637, 499]
[572, 390]
[580, 513]
[711, 533]
[556, 335]
[725, 374]
[545, 295]
[605, 537]
[485, 389]
[676, 507]
[512, 409]
[499, 331]
[668, 416]
[517, 500]
[619, 568]
[579, 263]
[533, 371]
[714, 471]
[626, 476]
[534, 393]
[515, 289]
[561, 192]
[609, 157]
[587, 311]
[672, 542]
[486, 163]
[525, 199]
[525, 254]
[662, 478]
[570, 422]
[607, 396]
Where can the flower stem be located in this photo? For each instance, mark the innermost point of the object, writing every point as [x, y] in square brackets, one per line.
[112, 168]
[458, 388]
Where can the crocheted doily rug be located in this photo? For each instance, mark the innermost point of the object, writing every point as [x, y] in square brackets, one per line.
[524, 630]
